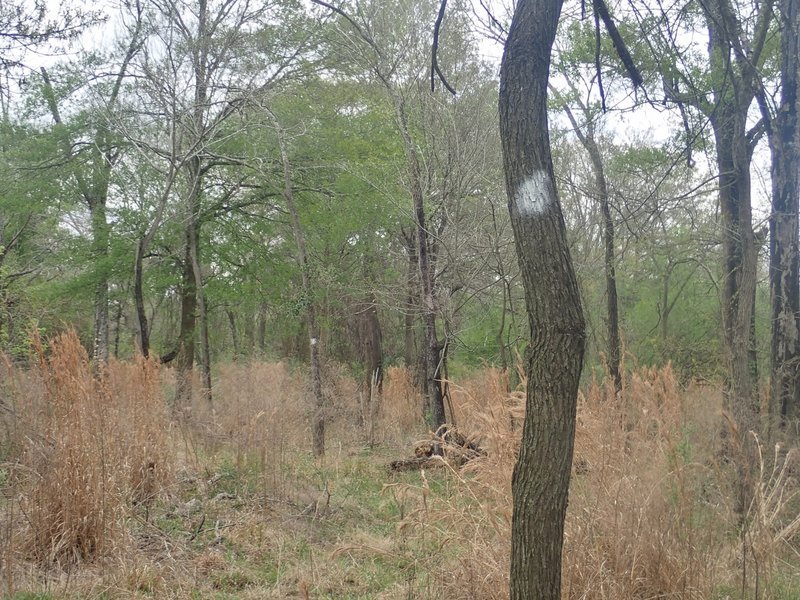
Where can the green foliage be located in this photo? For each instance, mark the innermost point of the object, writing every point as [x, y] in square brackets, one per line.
[350, 180]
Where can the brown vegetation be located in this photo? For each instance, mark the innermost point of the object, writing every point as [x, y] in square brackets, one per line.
[103, 494]
[80, 448]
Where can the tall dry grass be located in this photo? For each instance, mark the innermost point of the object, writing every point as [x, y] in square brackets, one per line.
[84, 447]
[262, 415]
[261, 422]
[399, 413]
[651, 511]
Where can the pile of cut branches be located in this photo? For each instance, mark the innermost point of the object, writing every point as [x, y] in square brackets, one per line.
[446, 447]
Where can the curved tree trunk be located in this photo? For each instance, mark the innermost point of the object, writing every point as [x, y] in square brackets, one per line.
[142, 325]
[555, 357]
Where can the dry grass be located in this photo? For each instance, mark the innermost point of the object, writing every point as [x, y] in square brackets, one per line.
[248, 513]
[773, 519]
[261, 413]
[400, 410]
[648, 517]
[82, 449]
[651, 513]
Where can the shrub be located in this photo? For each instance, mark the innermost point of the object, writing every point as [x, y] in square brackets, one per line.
[91, 443]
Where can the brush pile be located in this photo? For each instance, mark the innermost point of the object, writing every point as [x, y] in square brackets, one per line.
[446, 447]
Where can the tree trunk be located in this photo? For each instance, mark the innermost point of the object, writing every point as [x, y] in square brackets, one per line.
[318, 420]
[433, 348]
[142, 326]
[184, 362]
[555, 357]
[234, 333]
[251, 324]
[665, 308]
[501, 342]
[371, 356]
[734, 89]
[200, 297]
[205, 345]
[784, 264]
[609, 264]
[414, 359]
[192, 298]
[739, 263]
[261, 335]
[612, 309]
[741, 401]
[117, 327]
[100, 241]
[409, 353]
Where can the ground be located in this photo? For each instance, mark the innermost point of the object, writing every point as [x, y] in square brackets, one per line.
[108, 492]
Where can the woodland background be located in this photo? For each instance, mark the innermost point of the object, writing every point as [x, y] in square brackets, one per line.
[248, 257]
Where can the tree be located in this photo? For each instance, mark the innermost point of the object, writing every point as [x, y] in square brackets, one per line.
[722, 87]
[588, 140]
[202, 66]
[25, 25]
[443, 164]
[385, 62]
[784, 137]
[555, 357]
[318, 420]
[26, 211]
[93, 164]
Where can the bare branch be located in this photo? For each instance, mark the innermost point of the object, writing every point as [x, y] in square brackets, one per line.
[362, 34]
[435, 70]
[601, 9]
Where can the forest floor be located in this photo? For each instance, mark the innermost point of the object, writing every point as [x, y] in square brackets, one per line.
[228, 526]
[334, 531]
[231, 504]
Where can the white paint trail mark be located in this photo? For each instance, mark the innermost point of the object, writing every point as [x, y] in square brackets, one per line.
[534, 194]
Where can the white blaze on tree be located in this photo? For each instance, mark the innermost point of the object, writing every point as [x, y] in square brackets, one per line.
[535, 194]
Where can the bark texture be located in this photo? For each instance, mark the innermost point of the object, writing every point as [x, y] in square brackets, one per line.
[555, 356]
[784, 263]
[739, 261]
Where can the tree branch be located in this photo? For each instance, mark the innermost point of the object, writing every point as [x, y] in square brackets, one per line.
[362, 34]
[601, 9]
[435, 70]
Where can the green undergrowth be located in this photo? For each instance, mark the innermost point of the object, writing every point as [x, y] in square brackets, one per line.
[341, 528]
